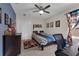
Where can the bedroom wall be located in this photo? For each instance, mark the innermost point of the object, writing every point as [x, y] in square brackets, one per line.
[6, 8]
[63, 25]
[26, 29]
[24, 25]
[75, 32]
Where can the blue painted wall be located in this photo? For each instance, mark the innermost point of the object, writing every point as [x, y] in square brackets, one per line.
[6, 8]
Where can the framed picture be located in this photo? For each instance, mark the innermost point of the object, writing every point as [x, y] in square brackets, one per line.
[51, 24]
[10, 20]
[0, 15]
[37, 26]
[40, 26]
[57, 23]
[47, 25]
[7, 19]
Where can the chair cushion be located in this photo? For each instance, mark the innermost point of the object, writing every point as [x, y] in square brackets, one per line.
[60, 53]
[61, 42]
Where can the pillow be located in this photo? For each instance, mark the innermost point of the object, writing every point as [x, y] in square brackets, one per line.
[35, 32]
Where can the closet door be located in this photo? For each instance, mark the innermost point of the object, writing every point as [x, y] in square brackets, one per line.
[27, 29]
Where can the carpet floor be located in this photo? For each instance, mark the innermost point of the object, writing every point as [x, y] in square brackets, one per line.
[48, 50]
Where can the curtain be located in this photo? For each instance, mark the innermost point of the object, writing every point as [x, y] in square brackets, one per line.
[69, 37]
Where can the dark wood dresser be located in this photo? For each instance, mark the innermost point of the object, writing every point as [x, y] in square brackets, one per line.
[11, 45]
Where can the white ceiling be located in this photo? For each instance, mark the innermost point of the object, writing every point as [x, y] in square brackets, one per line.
[28, 8]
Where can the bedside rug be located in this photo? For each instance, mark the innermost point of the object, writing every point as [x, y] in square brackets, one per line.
[29, 44]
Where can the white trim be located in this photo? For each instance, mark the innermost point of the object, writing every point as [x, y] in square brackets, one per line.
[75, 37]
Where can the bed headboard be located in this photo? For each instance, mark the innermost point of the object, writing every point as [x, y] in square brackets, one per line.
[35, 31]
[41, 31]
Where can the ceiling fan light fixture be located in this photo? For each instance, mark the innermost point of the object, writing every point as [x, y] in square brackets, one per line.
[41, 12]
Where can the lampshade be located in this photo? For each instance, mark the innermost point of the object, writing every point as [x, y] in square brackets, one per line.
[41, 11]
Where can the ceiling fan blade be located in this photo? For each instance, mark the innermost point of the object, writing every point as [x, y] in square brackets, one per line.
[47, 6]
[47, 11]
[37, 6]
[31, 9]
[36, 11]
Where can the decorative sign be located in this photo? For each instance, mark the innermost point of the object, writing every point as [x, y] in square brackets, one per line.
[51, 24]
[47, 25]
[37, 26]
[57, 23]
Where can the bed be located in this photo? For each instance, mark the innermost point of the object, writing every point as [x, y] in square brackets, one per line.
[43, 39]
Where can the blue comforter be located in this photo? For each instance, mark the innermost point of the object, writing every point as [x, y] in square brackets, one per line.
[50, 38]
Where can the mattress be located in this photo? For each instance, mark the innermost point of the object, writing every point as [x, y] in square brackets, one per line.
[41, 40]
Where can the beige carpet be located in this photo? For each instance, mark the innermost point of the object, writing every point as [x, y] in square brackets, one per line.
[35, 51]
[48, 51]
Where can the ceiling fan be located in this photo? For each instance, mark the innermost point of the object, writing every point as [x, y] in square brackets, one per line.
[41, 9]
